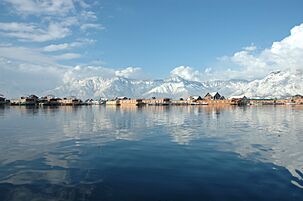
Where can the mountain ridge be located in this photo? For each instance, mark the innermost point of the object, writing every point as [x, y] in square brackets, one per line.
[277, 84]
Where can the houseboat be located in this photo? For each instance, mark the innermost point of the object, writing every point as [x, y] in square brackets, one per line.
[297, 99]
[113, 102]
[31, 100]
[239, 100]
[49, 100]
[71, 101]
[132, 102]
[157, 101]
[2, 100]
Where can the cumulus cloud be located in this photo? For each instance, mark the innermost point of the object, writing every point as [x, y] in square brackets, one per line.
[187, 73]
[250, 63]
[81, 72]
[130, 72]
[284, 54]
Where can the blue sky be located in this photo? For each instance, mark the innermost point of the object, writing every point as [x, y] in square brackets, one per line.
[164, 34]
[206, 38]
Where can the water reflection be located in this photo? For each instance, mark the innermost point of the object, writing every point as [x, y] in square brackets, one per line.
[68, 146]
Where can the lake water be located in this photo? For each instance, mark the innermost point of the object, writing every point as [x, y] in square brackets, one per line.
[152, 153]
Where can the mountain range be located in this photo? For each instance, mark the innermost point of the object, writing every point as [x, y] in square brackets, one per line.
[278, 84]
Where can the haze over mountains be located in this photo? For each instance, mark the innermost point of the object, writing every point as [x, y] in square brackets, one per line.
[278, 84]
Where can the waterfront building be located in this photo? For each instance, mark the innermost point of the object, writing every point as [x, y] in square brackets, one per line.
[73, 101]
[239, 100]
[121, 98]
[297, 99]
[2, 100]
[269, 101]
[94, 102]
[157, 101]
[208, 96]
[194, 98]
[134, 102]
[214, 102]
[49, 100]
[113, 102]
[25, 100]
[213, 96]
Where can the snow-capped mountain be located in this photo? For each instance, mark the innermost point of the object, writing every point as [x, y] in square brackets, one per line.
[177, 87]
[276, 84]
[174, 87]
[94, 87]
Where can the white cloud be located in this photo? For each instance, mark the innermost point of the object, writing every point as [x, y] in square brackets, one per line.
[57, 19]
[130, 72]
[31, 32]
[89, 15]
[91, 26]
[67, 46]
[56, 47]
[250, 48]
[81, 72]
[33, 56]
[42, 7]
[187, 73]
[284, 54]
[250, 63]
[24, 54]
[67, 56]
[17, 27]
[23, 78]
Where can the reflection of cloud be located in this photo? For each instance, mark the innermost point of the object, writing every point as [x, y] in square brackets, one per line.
[59, 136]
[175, 124]
[268, 134]
[32, 176]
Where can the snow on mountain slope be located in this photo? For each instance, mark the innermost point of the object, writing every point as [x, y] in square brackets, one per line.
[277, 84]
[176, 87]
[95, 87]
[173, 87]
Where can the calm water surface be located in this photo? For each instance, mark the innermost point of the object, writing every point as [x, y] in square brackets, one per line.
[151, 153]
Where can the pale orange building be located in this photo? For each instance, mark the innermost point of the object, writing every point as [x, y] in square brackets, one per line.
[158, 101]
[135, 102]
